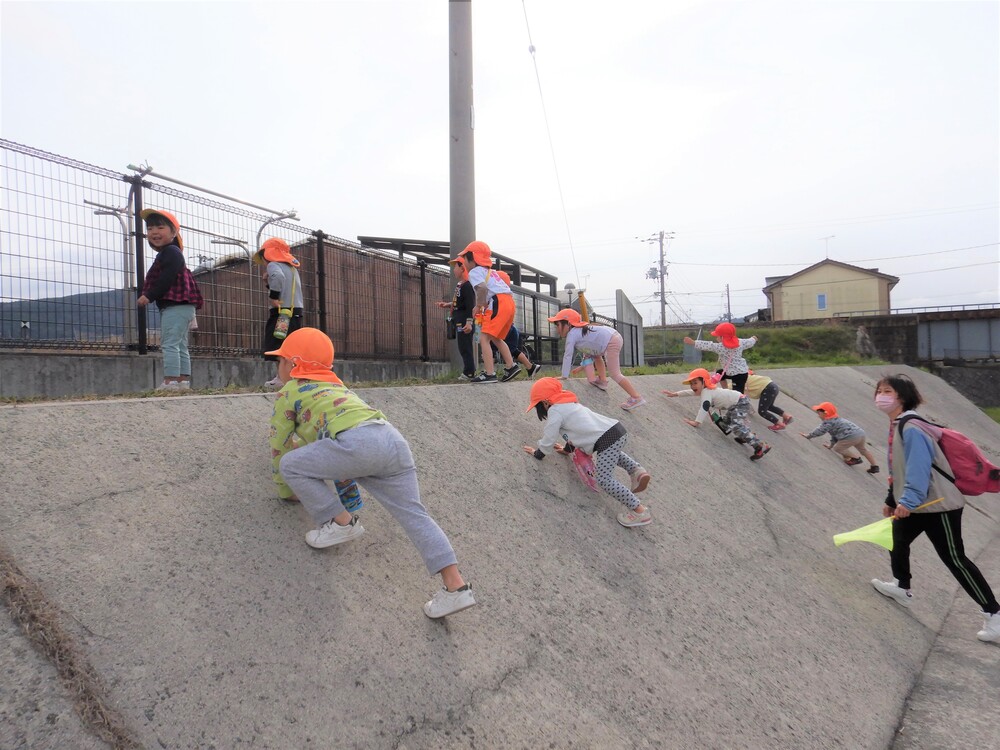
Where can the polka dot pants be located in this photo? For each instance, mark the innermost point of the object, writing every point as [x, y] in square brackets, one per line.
[605, 462]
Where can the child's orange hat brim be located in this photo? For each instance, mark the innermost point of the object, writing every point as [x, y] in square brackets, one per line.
[311, 354]
[275, 250]
[571, 316]
[481, 253]
[827, 408]
[702, 373]
[171, 220]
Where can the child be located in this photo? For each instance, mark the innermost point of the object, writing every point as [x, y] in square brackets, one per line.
[846, 438]
[171, 286]
[596, 434]
[345, 437]
[596, 341]
[730, 350]
[736, 406]
[461, 316]
[766, 391]
[489, 285]
[284, 288]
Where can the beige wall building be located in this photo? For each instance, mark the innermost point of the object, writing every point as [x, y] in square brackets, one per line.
[827, 288]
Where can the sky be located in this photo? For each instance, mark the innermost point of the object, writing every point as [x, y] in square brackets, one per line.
[761, 136]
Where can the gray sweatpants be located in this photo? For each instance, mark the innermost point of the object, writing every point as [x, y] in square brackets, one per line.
[379, 459]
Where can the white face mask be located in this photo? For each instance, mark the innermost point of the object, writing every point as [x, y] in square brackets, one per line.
[886, 402]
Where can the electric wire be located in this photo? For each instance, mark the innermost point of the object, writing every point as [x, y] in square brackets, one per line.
[552, 150]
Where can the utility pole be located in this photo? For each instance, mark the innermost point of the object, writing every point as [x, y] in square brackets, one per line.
[663, 290]
[729, 307]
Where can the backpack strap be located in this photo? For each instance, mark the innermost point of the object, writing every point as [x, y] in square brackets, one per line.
[906, 418]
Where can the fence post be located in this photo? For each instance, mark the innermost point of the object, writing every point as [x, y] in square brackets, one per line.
[423, 309]
[140, 259]
[321, 279]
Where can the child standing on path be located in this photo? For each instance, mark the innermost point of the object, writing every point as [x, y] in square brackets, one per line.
[171, 286]
[765, 391]
[344, 437]
[846, 438]
[593, 433]
[924, 502]
[488, 284]
[736, 405]
[730, 349]
[284, 292]
[594, 341]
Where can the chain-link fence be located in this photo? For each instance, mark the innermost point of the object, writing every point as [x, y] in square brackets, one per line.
[72, 257]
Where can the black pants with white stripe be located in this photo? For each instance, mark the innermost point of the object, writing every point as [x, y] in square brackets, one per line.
[944, 530]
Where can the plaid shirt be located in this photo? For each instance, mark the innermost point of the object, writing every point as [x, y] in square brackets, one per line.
[181, 290]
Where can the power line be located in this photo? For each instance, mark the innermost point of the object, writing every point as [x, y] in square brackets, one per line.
[552, 149]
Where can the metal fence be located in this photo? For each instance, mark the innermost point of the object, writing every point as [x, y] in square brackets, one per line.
[72, 257]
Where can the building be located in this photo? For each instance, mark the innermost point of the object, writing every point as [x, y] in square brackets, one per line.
[828, 288]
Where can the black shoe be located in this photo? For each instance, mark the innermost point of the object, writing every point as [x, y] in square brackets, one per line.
[741, 441]
[759, 453]
[484, 378]
[534, 370]
[873, 470]
[853, 461]
[512, 373]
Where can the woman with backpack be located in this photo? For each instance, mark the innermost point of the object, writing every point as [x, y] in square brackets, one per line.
[922, 501]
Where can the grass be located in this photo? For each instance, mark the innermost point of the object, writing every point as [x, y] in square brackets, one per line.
[993, 412]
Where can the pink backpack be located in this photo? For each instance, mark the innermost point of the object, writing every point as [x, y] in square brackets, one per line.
[974, 474]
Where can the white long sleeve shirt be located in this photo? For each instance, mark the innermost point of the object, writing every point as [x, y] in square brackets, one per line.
[576, 423]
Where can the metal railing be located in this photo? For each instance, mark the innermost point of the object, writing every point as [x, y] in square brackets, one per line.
[73, 258]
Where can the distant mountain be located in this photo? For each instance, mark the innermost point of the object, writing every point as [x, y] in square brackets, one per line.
[93, 316]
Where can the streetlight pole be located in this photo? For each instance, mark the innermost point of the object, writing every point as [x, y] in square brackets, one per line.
[827, 241]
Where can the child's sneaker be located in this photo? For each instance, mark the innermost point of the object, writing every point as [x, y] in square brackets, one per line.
[758, 454]
[331, 533]
[786, 419]
[633, 403]
[511, 372]
[602, 384]
[873, 469]
[465, 377]
[853, 461]
[991, 628]
[446, 602]
[484, 378]
[274, 382]
[892, 590]
[632, 518]
[640, 480]
[776, 427]
[741, 441]
[534, 370]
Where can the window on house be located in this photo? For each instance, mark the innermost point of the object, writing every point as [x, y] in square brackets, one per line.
[820, 301]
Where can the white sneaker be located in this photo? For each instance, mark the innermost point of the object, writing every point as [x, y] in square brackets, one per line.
[991, 628]
[274, 382]
[632, 518]
[640, 480]
[633, 403]
[331, 533]
[170, 386]
[447, 602]
[183, 385]
[892, 590]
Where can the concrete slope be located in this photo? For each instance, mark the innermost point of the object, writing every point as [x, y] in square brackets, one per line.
[731, 621]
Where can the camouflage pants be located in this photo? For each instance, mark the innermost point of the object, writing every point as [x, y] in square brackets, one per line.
[737, 417]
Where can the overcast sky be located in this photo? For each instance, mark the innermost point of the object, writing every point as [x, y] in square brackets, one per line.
[750, 130]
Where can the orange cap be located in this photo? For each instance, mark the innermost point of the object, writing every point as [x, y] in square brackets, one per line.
[275, 250]
[728, 333]
[481, 253]
[699, 372]
[311, 353]
[549, 389]
[570, 315]
[171, 220]
[827, 408]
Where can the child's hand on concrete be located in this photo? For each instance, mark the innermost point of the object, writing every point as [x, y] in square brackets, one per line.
[671, 394]
[691, 422]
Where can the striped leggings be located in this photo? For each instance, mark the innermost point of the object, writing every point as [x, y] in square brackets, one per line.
[944, 530]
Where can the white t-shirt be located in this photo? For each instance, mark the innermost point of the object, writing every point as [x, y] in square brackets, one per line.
[494, 282]
[576, 423]
[720, 398]
[595, 342]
